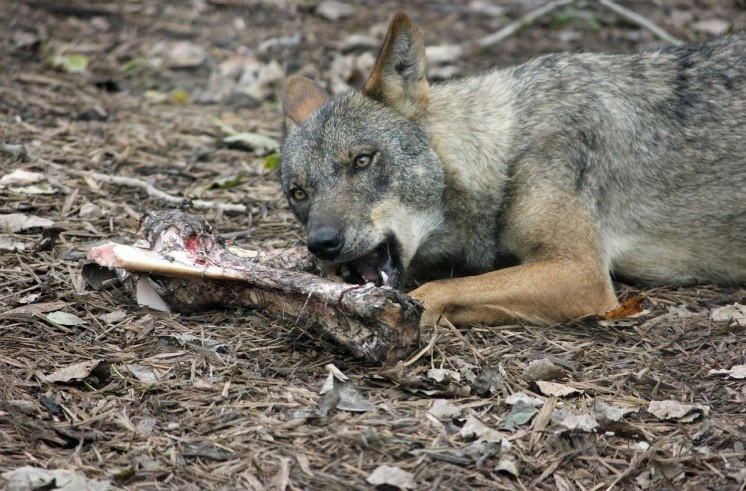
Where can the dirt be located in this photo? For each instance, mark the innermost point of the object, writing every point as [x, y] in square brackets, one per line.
[230, 399]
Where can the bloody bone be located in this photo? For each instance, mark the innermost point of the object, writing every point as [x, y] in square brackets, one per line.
[181, 261]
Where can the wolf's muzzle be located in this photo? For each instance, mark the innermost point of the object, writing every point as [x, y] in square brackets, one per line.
[326, 243]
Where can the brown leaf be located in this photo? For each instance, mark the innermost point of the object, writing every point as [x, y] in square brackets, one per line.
[628, 308]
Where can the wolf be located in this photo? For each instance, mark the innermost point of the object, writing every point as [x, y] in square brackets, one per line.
[518, 194]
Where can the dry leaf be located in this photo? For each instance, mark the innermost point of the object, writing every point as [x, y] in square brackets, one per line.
[543, 369]
[442, 409]
[143, 373]
[567, 422]
[508, 465]
[737, 372]
[443, 375]
[674, 410]
[75, 372]
[609, 412]
[525, 398]
[28, 478]
[628, 308]
[734, 314]
[22, 223]
[65, 319]
[20, 177]
[391, 476]
[556, 390]
[474, 429]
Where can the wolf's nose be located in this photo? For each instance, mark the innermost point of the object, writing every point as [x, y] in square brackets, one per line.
[326, 243]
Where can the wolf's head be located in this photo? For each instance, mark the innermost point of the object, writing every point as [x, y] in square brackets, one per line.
[358, 169]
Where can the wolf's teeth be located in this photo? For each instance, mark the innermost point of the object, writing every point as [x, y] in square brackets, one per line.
[385, 278]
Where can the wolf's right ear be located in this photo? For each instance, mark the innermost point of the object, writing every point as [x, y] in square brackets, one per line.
[300, 98]
[398, 77]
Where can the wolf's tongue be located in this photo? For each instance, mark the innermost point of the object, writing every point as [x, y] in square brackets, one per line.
[368, 267]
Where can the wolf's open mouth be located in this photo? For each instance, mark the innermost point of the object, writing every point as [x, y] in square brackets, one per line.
[381, 266]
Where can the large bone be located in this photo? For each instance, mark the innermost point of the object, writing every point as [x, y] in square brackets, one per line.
[181, 260]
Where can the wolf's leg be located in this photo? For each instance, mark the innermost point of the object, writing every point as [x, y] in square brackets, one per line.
[563, 275]
[542, 292]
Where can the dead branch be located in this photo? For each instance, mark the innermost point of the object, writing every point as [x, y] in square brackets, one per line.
[450, 52]
[147, 187]
[181, 265]
[639, 20]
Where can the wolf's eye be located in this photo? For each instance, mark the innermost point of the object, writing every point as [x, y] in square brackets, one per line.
[298, 194]
[363, 160]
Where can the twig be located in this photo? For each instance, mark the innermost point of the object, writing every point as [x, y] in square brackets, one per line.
[639, 20]
[449, 52]
[519, 24]
[148, 188]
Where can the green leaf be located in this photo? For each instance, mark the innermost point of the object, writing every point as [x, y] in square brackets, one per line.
[228, 129]
[132, 64]
[253, 140]
[224, 182]
[272, 161]
[75, 63]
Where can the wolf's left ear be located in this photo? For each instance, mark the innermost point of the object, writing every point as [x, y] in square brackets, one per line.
[398, 77]
[300, 98]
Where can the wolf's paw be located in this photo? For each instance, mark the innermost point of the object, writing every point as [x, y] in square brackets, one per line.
[434, 299]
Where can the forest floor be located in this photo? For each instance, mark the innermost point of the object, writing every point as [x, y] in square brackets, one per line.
[230, 399]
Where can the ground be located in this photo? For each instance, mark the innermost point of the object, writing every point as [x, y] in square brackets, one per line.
[229, 398]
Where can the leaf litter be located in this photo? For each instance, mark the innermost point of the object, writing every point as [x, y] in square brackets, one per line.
[240, 412]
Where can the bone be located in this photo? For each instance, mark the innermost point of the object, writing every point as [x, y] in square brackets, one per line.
[185, 263]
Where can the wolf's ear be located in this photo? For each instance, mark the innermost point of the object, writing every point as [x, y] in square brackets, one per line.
[398, 77]
[300, 98]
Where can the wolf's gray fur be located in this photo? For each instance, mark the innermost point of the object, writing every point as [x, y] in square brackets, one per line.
[651, 146]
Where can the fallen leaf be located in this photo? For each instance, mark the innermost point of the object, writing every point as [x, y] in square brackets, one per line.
[489, 382]
[341, 393]
[628, 308]
[509, 466]
[148, 297]
[525, 398]
[8, 244]
[206, 450]
[556, 390]
[713, 27]
[737, 372]
[43, 188]
[75, 372]
[333, 10]
[28, 478]
[567, 422]
[181, 54]
[674, 410]
[113, 317]
[20, 177]
[521, 413]
[442, 409]
[73, 63]
[65, 319]
[443, 375]
[22, 223]
[543, 369]
[474, 429]
[734, 314]
[144, 374]
[254, 140]
[391, 476]
[611, 413]
[272, 161]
